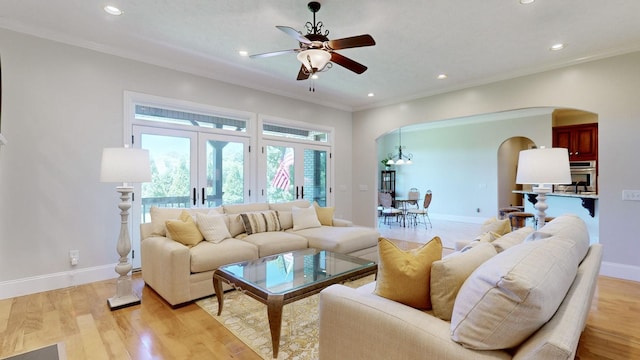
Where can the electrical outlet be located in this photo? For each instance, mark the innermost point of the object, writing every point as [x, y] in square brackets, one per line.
[631, 195]
[74, 257]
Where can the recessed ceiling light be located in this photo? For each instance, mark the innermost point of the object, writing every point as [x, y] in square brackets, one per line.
[110, 9]
[557, 47]
[442, 76]
[526, 2]
[371, 94]
[243, 53]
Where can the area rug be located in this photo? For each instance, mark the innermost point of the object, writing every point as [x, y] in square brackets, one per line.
[247, 319]
[51, 352]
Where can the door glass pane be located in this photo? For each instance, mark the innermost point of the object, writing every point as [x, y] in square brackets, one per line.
[170, 158]
[225, 173]
[280, 174]
[315, 176]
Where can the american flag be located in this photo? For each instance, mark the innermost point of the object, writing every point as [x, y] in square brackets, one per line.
[282, 178]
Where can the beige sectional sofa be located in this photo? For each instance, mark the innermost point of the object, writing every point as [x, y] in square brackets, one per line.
[530, 301]
[181, 273]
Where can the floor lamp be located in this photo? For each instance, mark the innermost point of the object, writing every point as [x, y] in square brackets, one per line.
[543, 167]
[124, 165]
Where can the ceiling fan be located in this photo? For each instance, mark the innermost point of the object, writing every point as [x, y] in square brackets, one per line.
[317, 52]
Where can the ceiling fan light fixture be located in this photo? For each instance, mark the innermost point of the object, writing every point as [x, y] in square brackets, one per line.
[112, 10]
[314, 59]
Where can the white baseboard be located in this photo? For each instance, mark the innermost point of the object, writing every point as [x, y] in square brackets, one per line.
[60, 280]
[620, 271]
[464, 219]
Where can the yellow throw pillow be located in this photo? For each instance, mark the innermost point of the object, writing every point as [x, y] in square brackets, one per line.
[325, 214]
[404, 276]
[184, 230]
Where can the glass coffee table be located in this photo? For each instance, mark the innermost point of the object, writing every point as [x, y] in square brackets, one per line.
[281, 279]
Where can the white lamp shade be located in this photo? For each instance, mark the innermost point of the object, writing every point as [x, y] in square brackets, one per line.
[319, 59]
[126, 165]
[544, 166]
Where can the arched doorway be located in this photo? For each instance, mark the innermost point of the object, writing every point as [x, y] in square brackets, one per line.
[508, 153]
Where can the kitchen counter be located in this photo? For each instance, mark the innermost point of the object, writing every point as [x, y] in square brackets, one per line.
[588, 198]
[569, 203]
[586, 195]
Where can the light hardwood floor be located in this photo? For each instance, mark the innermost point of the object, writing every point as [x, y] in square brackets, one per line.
[79, 318]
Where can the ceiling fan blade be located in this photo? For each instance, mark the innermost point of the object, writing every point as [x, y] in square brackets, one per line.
[344, 61]
[294, 34]
[273, 53]
[351, 42]
[303, 74]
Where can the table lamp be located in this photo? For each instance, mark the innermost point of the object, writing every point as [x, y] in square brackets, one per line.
[542, 168]
[124, 165]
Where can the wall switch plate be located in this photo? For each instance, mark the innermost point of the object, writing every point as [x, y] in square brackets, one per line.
[74, 257]
[631, 195]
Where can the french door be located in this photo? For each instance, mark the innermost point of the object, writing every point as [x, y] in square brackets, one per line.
[189, 169]
[296, 171]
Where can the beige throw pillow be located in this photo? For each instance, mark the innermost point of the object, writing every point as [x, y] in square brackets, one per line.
[511, 239]
[213, 227]
[448, 275]
[499, 227]
[304, 218]
[511, 295]
[403, 276]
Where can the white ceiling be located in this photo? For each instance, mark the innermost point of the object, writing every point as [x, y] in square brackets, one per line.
[474, 42]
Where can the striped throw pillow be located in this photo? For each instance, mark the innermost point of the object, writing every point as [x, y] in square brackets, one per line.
[260, 221]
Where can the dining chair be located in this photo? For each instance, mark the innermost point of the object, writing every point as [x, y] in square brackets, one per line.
[424, 212]
[413, 196]
[387, 210]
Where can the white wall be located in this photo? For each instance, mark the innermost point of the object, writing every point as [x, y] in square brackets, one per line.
[460, 163]
[60, 106]
[606, 87]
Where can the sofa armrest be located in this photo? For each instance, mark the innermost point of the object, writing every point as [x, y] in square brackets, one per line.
[355, 324]
[342, 222]
[166, 267]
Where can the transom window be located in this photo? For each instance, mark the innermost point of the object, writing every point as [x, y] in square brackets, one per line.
[178, 117]
[294, 132]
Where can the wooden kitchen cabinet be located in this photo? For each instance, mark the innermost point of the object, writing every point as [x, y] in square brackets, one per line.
[581, 140]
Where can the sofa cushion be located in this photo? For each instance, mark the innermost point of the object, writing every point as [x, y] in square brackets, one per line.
[570, 226]
[184, 230]
[243, 208]
[160, 215]
[288, 205]
[448, 275]
[325, 214]
[304, 218]
[510, 296]
[404, 276]
[338, 239]
[213, 226]
[269, 243]
[260, 221]
[207, 256]
[513, 238]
